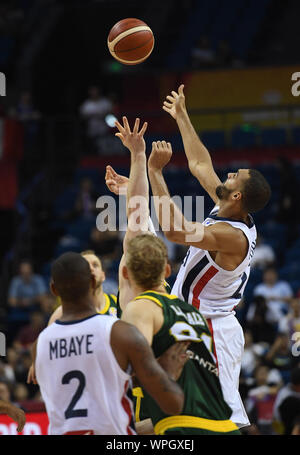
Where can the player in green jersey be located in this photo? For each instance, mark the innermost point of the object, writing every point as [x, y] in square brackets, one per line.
[104, 303]
[165, 320]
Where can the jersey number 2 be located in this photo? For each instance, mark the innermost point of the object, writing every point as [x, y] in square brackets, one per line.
[70, 411]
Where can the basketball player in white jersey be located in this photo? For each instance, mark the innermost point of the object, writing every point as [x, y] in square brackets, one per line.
[216, 269]
[84, 361]
[104, 303]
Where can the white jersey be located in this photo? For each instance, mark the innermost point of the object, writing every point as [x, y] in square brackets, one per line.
[81, 382]
[204, 284]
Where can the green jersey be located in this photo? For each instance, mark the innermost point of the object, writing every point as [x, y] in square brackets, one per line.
[205, 411]
[111, 305]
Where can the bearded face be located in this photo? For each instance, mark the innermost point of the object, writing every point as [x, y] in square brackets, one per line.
[222, 192]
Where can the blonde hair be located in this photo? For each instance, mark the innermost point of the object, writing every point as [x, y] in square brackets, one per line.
[146, 258]
[86, 252]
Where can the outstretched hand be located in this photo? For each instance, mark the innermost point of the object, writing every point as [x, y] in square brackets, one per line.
[116, 183]
[160, 155]
[133, 140]
[176, 103]
[174, 359]
[18, 415]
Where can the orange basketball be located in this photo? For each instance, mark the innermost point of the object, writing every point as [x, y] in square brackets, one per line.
[130, 41]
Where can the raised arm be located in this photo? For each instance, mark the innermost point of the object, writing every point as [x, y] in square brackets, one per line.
[137, 186]
[199, 159]
[129, 345]
[218, 237]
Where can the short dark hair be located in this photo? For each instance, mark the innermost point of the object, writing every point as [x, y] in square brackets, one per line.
[256, 192]
[71, 275]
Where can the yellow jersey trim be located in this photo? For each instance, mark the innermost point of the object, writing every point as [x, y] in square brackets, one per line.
[220, 426]
[169, 296]
[149, 297]
[114, 297]
[138, 393]
[107, 305]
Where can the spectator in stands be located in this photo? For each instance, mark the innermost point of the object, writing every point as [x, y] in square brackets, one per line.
[261, 329]
[20, 393]
[29, 333]
[290, 324]
[6, 372]
[106, 244]
[94, 111]
[251, 356]
[224, 56]
[25, 110]
[27, 289]
[29, 116]
[277, 294]
[48, 305]
[85, 205]
[4, 392]
[261, 398]
[288, 212]
[279, 356]
[202, 54]
[263, 255]
[287, 405]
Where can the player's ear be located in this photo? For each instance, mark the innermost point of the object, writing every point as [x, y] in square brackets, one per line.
[168, 270]
[52, 289]
[125, 272]
[237, 196]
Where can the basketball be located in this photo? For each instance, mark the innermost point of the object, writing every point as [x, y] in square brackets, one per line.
[130, 41]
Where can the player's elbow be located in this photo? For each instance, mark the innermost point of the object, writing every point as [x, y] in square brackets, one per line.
[174, 236]
[174, 406]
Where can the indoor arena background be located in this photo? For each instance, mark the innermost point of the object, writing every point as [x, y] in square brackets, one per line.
[237, 59]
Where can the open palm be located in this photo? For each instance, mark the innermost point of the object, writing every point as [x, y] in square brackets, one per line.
[176, 103]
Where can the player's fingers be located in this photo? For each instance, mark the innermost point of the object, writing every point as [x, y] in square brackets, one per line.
[126, 125]
[154, 146]
[169, 105]
[169, 146]
[174, 94]
[166, 109]
[143, 130]
[119, 126]
[164, 144]
[21, 422]
[120, 136]
[180, 89]
[170, 98]
[136, 126]
[111, 169]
